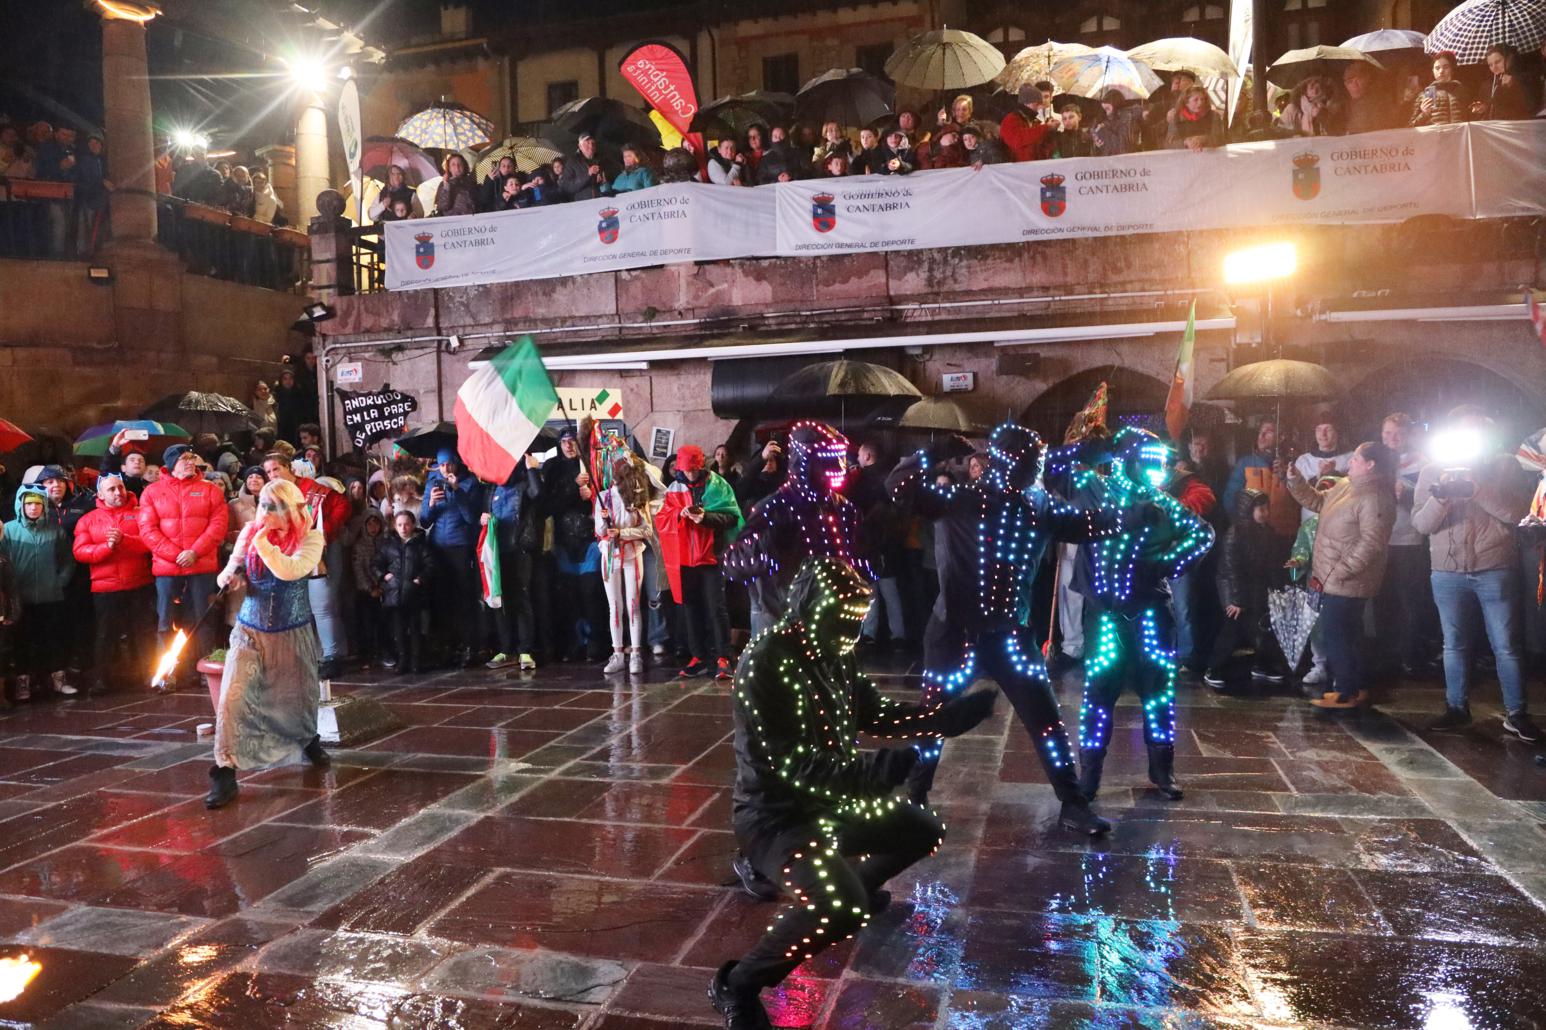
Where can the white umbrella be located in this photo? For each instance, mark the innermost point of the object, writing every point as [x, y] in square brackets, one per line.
[1185, 53]
[944, 59]
[1385, 41]
[1091, 74]
[1034, 63]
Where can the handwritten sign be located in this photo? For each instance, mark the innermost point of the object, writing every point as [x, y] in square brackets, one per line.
[369, 417]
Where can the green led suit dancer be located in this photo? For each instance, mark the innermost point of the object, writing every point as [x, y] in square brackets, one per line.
[813, 813]
[1128, 630]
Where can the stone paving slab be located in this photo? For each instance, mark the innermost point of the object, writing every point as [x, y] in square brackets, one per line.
[551, 850]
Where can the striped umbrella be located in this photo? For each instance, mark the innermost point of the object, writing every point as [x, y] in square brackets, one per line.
[1475, 25]
[526, 151]
[1034, 63]
[447, 125]
[1092, 74]
[944, 59]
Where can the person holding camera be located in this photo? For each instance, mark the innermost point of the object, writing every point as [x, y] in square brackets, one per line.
[1467, 503]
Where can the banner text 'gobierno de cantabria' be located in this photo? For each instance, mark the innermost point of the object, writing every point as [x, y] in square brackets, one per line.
[1475, 170]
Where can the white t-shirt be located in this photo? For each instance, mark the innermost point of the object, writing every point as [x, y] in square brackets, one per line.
[1309, 467]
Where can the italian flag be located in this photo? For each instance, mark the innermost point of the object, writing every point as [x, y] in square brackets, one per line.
[501, 408]
[488, 564]
[1178, 404]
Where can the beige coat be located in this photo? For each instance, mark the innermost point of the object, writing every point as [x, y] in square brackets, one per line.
[1473, 535]
[1356, 517]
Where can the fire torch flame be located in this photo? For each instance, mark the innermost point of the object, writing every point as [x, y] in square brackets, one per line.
[168, 663]
[15, 974]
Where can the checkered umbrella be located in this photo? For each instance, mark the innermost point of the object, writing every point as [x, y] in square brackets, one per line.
[447, 125]
[1475, 25]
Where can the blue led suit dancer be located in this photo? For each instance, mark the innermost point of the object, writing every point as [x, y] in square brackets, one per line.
[989, 537]
[804, 518]
[1128, 630]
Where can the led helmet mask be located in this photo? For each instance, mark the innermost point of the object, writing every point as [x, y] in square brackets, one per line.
[1142, 457]
[830, 599]
[1014, 457]
[818, 457]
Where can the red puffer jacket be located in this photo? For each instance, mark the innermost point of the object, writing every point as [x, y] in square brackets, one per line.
[178, 515]
[125, 567]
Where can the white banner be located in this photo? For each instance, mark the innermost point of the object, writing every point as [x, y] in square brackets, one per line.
[1475, 170]
[663, 225]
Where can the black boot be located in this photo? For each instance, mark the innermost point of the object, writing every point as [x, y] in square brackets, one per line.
[1092, 761]
[222, 787]
[1077, 817]
[753, 882]
[314, 753]
[742, 1009]
[1162, 770]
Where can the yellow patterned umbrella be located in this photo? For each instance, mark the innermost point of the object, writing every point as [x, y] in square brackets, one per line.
[527, 152]
[447, 125]
[944, 59]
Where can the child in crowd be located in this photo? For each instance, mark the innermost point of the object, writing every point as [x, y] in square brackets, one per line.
[367, 591]
[39, 551]
[1247, 567]
[402, 571]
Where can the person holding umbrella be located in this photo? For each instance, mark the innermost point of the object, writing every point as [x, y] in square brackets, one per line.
[270, 691]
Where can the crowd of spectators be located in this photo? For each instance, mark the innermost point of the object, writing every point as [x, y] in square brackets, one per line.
[1040, 125]
[76, 223]
[94, 555]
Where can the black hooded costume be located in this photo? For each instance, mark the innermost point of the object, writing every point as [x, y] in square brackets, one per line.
[989, 538]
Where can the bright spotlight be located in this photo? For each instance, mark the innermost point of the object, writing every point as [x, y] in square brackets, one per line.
[1260, 264]
[345, 73]
[308, 73]
[187, 139]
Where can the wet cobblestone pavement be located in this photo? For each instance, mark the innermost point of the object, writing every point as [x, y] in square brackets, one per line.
[551, 851]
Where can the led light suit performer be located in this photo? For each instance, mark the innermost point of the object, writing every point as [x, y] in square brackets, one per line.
[1128, 630]
[802, 519]
[812, 812]
[989, 536]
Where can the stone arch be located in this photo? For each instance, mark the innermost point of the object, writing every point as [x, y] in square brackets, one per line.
[1428, 385]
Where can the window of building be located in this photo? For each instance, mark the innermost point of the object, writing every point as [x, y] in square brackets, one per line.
[561, 93]
[873, 58]
[1101, 23]
[1202, 12]
[1303, 24]
[1206, 22]
[781, 73]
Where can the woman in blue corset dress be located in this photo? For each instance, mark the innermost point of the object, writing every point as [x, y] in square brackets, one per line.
[270, 692]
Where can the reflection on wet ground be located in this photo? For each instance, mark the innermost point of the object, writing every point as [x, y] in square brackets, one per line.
[552, 851]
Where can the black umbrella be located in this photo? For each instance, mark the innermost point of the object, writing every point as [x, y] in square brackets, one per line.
[733, 115]
[200, 412]
[429, 440]
[848, 96]
[844, 388]
[611, 121]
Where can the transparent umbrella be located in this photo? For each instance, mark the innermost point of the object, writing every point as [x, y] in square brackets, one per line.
[1034, 63]
[1092, 74]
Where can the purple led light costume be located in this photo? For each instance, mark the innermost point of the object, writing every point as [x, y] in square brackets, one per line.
[802, 519]
[989, 536]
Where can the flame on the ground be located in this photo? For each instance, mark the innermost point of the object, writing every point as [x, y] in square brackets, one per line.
[168, 662]
[15, 974]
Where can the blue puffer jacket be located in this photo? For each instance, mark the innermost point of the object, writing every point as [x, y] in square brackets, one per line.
[456, 521]
[513, 500]
[39, 551]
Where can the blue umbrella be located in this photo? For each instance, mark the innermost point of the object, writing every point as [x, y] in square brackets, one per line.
[447, 125]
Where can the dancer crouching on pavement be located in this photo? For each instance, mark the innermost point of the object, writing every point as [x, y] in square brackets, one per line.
[812, 812]
[270, 691]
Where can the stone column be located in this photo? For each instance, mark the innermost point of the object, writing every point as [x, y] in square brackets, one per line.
[126, 104]
[311, 156]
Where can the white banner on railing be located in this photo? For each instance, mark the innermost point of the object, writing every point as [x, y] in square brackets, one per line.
[1477, 170]
[664, 225]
